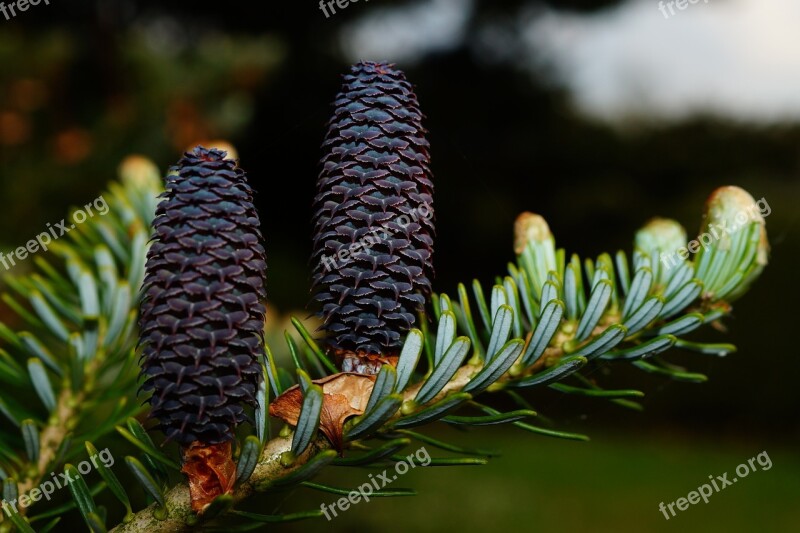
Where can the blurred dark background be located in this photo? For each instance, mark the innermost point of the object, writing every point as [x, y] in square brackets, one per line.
[85, 83]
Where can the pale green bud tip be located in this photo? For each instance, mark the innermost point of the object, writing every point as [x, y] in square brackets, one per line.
[734, 205]
[140, 172]
[662, 234]
[733, 208]
[530, 227]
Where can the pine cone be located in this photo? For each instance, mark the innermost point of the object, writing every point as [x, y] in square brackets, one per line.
[202, 316]
[373, 222]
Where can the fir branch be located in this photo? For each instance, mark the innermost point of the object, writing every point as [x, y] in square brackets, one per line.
[543, 322]
[272, 466]
[79, 343]
[60, 424]
[179, 515]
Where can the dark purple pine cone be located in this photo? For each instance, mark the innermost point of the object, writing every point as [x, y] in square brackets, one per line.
[201, 321]
[373, 221]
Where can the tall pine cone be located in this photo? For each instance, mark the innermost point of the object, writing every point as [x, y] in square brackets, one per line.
[373, 221]
[202, 316]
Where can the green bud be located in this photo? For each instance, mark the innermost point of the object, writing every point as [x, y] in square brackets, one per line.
[530, 227]
[733, 242]
[140, 172]
[662, 234]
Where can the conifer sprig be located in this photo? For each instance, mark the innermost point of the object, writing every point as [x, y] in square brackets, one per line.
[543, 323]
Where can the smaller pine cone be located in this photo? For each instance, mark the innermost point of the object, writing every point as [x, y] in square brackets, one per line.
[202, 315]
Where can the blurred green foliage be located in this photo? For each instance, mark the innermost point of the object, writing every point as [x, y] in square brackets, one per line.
[613, 483]
[65, 121]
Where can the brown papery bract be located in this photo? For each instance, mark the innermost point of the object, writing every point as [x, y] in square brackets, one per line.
[211, 472]
[344, 395]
